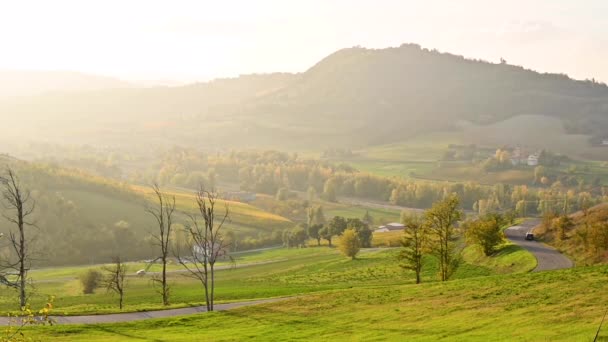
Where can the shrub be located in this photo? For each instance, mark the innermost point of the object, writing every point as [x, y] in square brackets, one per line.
[90, 280]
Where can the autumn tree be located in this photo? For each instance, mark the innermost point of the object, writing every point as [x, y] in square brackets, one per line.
[349, 243]
[414, 244]
[539, 173]
[163, 214]
[441, 220]
[115, 278]
[18, 207]
[562, 224]
[485, 232]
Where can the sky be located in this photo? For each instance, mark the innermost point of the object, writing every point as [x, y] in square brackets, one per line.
[189, 41]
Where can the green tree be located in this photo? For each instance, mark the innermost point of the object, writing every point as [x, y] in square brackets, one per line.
[314, 231]
[367, 218]
[319, 217]
[485, 232]
[326, 234]
[440, 220]
[299, 236]
[295, 237]
[349, 243]
[363, 231]
[337, 225]
[413, 243]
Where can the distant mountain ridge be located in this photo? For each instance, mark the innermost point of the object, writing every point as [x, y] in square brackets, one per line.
[30, 82]
[353, 97]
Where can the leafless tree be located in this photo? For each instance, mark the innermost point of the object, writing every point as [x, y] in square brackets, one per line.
[115, 278]
[206, 242]
[162, 237]
[19, 206]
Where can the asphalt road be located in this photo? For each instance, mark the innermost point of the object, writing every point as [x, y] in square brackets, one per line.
[136, 316]
[548, 258]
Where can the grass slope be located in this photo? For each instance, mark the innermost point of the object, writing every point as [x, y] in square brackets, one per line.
[564, 305]
[271, 273]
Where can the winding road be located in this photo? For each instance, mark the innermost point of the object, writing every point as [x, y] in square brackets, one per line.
[137, 316]
[548, 258]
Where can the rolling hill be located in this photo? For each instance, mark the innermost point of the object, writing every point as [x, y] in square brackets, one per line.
[355, 97]
[80, 218]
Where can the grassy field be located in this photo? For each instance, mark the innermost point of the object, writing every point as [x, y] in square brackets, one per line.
[419, 156]
[242, 215]
[262, 274]
[565, 305]
[509, 258]
[379, 216]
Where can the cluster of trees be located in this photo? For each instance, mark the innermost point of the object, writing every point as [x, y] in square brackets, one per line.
[461, 152]
[318, 228]
[585, 236]
[283, 174]
[435, 233]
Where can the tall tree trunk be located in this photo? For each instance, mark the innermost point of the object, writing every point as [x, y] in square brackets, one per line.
[212, 285]
[22, 271]
[164, 282]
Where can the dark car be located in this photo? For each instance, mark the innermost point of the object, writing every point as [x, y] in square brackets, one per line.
[529, 236]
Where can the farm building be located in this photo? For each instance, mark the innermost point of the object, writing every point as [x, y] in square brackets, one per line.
[390, 227]
[533, 160]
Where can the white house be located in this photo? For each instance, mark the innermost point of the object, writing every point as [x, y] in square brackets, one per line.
[605, 142]
[390, 227]
[533, 160]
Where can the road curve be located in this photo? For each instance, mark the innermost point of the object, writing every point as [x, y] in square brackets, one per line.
[548, 258]
[137, 316]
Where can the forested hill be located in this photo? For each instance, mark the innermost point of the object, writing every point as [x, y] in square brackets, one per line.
[384, 94]
[355, 96]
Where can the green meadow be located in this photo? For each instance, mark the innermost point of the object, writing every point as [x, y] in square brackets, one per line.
[565, 305]
[255, 275]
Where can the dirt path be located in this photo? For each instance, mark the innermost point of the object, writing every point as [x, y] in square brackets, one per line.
[547, 257]
[136, 316]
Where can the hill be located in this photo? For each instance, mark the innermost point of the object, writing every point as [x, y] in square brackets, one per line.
[26, 82]
[83, 219]
[355, 97]
[584, 237]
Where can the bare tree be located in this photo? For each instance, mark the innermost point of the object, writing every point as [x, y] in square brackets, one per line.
[206, 243]
[115, 278]
[18, 205]
[162, 237]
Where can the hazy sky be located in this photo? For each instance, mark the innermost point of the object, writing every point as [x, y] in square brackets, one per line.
[197, 40]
